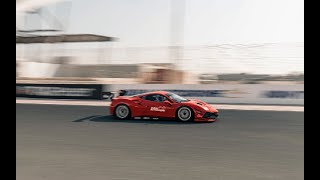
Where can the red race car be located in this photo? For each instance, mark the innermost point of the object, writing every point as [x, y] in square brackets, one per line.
[161, 104]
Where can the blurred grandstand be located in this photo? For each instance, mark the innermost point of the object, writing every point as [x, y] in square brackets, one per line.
[145, 65]
[46, 53]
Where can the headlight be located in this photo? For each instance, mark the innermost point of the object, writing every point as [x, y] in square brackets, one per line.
[205, 108]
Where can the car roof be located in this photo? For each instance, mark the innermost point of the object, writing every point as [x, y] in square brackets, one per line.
[153, 92]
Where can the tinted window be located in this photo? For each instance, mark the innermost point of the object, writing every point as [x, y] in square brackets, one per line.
[155, 97]
[177, 98]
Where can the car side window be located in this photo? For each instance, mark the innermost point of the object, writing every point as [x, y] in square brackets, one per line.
[161, 98]
[155, 98]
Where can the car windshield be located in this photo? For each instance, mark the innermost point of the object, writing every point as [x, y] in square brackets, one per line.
[177, 98]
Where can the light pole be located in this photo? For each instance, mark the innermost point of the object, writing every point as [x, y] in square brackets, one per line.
[177, 31]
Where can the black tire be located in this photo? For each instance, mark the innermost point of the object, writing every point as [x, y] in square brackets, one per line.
[122, 111]
[185, 114]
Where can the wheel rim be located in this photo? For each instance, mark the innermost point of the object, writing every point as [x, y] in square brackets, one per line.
[184, 114]
[122, 111]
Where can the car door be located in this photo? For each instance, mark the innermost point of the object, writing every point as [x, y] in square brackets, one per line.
[154, 105]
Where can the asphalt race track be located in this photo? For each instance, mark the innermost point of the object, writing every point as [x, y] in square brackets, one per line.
[57, 142]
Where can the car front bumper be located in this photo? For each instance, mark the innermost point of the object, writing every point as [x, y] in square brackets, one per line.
[206, 117]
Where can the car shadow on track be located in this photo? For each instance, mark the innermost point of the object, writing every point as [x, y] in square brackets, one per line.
[100, 118]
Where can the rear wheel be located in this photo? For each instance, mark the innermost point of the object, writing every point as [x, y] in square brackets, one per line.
[185, 114]
[123, 112]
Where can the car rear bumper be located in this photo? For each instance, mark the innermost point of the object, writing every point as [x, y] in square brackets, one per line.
[111, 110]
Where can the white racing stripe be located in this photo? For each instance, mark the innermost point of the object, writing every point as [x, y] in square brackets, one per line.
[260, 107]
[217, 106]
[63, 102]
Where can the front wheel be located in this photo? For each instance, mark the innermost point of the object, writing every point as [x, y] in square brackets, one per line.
[122, 112]
[185, 114]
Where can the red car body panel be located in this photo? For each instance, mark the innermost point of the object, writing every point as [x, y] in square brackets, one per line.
[144, 108]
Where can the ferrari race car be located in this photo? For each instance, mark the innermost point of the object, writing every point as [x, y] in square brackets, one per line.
[162, 105]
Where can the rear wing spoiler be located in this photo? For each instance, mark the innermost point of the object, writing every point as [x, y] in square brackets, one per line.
[111, 95]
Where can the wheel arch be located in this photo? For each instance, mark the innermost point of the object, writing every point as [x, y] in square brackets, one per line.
[119, 104]
[192, 111]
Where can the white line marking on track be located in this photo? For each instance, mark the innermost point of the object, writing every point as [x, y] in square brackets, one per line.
[217, 106]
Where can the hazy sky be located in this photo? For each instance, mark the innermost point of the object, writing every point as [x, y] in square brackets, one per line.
[147, 22]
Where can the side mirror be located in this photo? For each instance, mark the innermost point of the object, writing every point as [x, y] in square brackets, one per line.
[168, 103]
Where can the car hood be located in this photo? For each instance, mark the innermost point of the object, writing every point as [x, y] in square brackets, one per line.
[203, 105]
